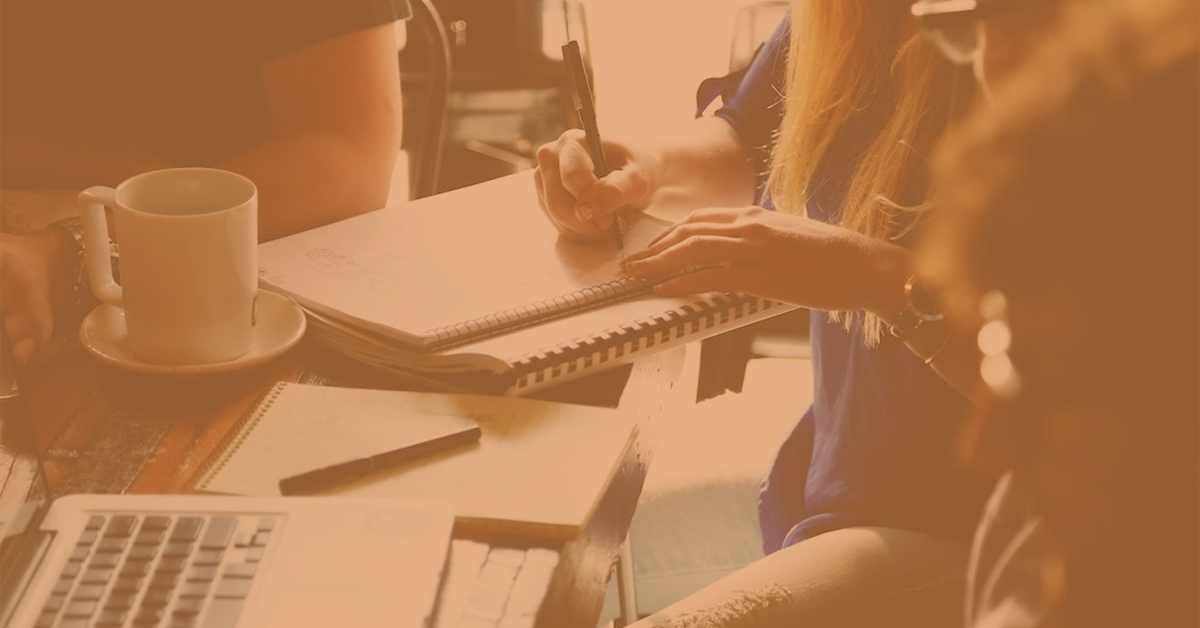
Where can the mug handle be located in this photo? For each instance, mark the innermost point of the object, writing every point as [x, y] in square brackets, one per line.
[95, 239]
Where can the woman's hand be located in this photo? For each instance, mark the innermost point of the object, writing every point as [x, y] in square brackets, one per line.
[773, 255]
[36, 279]
[579, 204]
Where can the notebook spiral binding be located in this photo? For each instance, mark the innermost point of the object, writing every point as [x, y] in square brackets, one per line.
[617, 343]
[233, 438]
[540, 312]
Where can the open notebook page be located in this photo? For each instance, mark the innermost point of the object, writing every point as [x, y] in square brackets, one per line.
[539, 468]
[408, 270]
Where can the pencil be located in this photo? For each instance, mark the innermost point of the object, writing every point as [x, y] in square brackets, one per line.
[581, 94]
[343, 472]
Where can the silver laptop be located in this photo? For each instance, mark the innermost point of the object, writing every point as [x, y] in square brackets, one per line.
[183, 561]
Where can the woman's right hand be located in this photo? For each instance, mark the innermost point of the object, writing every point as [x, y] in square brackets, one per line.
[581, 205]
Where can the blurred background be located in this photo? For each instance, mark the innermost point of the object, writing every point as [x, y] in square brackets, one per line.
[509, 92]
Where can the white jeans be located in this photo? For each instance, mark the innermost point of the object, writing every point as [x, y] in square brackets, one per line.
[854, 577]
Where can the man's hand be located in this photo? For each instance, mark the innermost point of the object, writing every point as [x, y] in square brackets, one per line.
[36, 280]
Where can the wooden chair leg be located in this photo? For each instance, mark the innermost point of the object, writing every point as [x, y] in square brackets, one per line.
[626, 585]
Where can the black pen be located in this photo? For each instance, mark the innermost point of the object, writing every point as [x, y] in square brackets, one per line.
[342, 472]
[581, 94]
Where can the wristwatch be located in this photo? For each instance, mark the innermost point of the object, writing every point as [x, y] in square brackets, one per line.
[920, 306]
[83, 298]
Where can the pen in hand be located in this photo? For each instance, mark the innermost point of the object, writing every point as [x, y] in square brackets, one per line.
[586, 108]
[342, 472]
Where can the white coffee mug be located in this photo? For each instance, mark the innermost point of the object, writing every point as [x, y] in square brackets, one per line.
[188, 240]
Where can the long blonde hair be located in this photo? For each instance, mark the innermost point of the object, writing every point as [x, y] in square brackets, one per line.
[851, 56]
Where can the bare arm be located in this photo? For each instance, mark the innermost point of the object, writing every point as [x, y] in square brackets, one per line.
[335, 133]
[744, 249]
[704, 165]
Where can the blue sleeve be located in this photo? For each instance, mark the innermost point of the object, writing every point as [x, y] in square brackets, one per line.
[752, 97]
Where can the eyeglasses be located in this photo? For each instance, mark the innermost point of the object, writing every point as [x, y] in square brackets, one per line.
[952, 25]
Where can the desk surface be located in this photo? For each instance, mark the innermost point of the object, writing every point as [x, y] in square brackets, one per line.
[100, 430]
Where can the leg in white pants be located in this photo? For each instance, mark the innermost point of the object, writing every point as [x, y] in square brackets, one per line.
[860, 577]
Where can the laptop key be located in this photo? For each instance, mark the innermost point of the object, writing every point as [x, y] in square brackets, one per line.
[94, 522]
[46, 619]
[80, 608]
[55, 602]
[240, 570]
[150, 537]
[104, 561]
[188, 606]
[162, 581]
[172, 564]
[202, 574]
[156, 522]
[91, 592]
[70, 570]
[111, 619]
[208, 557]
[112, 544]
[220, 531]
[141, 555]
[194, 590]
[156, 598]
[187, 529]
[149, 617]
[97, 575]
[182, 621]
[120, 601]
[223, 613]
[128, 584]
[233, 588]
[120, 526]
[177, 549]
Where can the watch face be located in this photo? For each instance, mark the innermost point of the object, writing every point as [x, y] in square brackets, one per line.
[922, 300]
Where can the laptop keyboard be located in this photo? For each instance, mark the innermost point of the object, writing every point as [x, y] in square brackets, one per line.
[158, 571]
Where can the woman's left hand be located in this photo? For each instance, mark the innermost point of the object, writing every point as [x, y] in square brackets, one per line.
[776, 256]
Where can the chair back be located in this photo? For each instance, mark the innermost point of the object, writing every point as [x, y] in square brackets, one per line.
[432, 129]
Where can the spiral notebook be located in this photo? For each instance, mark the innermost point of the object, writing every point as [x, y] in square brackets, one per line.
[540, 468]
[475, 290]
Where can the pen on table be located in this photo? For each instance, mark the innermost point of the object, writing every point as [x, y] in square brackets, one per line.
[342, 472]
[581, 95]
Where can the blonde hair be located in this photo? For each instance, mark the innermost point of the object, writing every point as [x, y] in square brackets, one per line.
[851, 56]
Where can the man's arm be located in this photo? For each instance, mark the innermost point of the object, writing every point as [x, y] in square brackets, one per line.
[335, 115]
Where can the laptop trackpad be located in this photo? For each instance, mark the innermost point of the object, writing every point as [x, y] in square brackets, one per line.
[383, 570]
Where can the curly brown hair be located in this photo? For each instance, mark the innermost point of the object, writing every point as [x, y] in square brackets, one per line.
[1079, 197]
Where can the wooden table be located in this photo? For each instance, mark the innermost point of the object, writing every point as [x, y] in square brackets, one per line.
[95, 429]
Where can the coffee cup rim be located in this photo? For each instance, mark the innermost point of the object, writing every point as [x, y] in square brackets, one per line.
[124, 185]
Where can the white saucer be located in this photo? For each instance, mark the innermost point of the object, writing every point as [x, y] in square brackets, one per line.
[280, 326]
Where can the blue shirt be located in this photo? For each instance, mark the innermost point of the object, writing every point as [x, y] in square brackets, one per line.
[876, 447]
